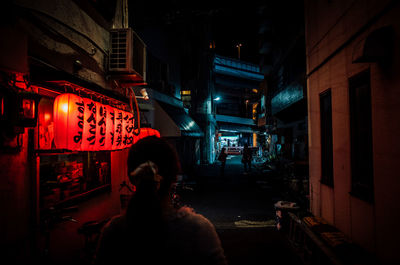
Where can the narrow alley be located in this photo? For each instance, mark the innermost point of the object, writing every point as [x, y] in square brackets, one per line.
[241, 206]
[306, 90]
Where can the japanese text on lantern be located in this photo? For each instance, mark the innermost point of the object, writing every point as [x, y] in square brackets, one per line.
[110, 119]
[118, 143]
[89, 125]
[68, 115]
[81, 107]
[101, 126]
[128, 125]
[81, 124]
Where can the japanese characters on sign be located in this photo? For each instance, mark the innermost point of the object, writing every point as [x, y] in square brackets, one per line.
[101, 126]
[81, 124]
[89, 125]
[110, 123]
[118, 144]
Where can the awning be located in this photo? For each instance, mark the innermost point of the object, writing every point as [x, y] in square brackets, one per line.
[235, 128]
[174, 121]
[376, 47]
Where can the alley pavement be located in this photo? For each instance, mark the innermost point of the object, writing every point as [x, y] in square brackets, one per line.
[241, 206]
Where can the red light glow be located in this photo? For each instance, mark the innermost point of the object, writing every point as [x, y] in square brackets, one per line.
[47, 117]
[81, 124]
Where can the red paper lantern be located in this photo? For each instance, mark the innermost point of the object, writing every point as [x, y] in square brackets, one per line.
[68, 113]
[101, 126]
[128, 125]
[118, 139]
[81, 124]
[89, 125]
[156, 133]
[146, 132]
[110, 124]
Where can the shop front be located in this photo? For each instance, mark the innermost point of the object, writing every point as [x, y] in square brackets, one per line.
[233, 137]
[81, 144]
[68, 160]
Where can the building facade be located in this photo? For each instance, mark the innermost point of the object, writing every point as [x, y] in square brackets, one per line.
[56, 48]
[353, 101]
[236, 102]
[282, 49]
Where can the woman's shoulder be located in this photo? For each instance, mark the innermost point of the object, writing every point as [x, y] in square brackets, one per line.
[116, 222]
[187, 216]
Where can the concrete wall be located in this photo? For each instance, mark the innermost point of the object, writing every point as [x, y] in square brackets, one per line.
[329, 25]
[77, 37]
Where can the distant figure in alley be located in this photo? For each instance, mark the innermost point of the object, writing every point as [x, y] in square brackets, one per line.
[222, 158]
[247, 156]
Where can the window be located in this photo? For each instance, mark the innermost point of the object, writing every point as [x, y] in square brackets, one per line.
[325, 100]
[361, 136]
[68, 176]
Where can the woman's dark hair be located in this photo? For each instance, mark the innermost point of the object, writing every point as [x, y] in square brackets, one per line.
[161, 153]
[144, 212]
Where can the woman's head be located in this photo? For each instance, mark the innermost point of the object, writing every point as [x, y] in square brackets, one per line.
[162, 158]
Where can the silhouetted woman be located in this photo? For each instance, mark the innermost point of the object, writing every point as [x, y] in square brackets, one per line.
[247, 156]
[152, 231]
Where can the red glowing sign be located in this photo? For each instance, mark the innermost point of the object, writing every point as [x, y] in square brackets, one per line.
[110, 119]
[68, 113]
[101, 126]
[81, 124]
[145, 132]
[89, 125]
[118, 144]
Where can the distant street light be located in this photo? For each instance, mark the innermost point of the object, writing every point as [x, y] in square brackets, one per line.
[238, 46]
[217, 98]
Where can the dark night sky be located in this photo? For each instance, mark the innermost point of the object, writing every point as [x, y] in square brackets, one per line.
[231, 22]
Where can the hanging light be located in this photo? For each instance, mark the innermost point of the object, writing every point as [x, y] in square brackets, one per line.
[101, 127]
[68, 113]
[89, 125]
[81, 124]
[110, 124]
[118, 140]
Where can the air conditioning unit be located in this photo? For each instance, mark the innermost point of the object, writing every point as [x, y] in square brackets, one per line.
[127, 54]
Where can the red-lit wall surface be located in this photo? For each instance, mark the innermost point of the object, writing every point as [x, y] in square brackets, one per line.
[15, 201]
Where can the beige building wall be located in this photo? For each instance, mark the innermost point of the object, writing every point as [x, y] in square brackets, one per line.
[333, 30]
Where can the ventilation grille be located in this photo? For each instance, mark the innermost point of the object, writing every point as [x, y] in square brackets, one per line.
[120, 55]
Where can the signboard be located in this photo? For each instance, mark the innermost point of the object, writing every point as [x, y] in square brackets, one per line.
[81, 124]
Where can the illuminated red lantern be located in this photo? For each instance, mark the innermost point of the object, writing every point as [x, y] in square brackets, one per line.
[146, 132]
[135, 137]
[128, 125]
[124, 124]
[89, 125]
[101, 120]
[156, 133]
[118, 140]
[110, 124]
[68, 114]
